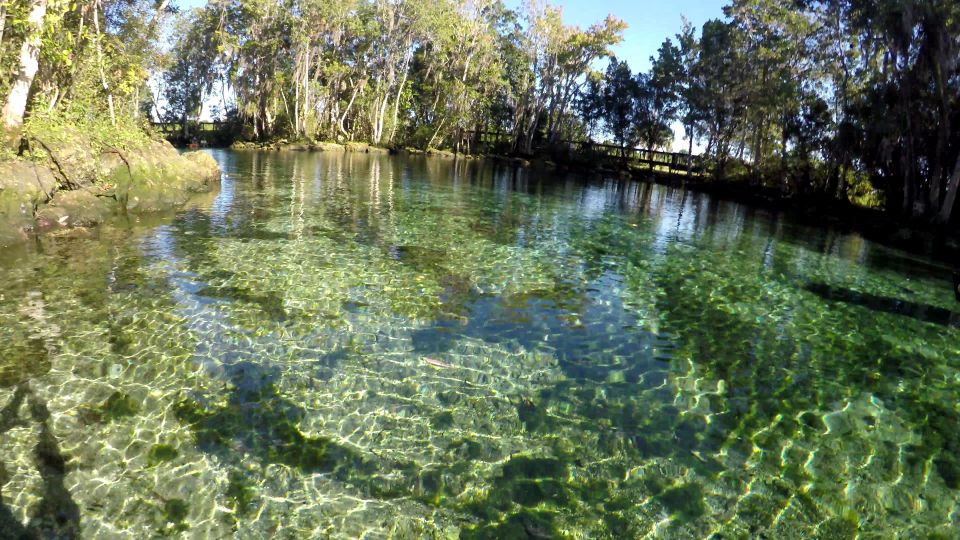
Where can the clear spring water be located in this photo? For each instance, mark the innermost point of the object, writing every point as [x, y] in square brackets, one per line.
[356, 346]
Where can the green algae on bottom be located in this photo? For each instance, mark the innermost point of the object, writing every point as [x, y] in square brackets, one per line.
[119, 405]
[175, 513]
[161, 452]
[611, 360]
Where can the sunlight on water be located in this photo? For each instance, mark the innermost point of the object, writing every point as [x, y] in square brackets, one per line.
[366, 346]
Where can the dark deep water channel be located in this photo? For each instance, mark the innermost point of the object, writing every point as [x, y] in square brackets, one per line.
[368, 346]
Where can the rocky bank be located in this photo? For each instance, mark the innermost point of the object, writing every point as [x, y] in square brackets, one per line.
[65, 181]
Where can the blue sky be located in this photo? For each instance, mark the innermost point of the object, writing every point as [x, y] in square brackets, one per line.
[649, 21]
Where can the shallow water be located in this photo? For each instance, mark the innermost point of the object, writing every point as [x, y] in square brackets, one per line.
[369, 346]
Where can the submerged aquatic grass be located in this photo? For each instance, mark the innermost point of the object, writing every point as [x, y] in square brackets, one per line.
[348, 345]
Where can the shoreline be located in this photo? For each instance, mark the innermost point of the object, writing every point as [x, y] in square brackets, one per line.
[915, 237]
[65, 184]
[918, 238]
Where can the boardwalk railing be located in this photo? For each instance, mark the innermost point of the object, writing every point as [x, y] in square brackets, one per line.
[198, 133]
[493, 142]
[487, 141]
[174, 128]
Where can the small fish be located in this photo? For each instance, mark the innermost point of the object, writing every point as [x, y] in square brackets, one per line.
[437, 363]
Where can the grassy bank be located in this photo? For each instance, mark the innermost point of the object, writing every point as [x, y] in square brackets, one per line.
[71, 171]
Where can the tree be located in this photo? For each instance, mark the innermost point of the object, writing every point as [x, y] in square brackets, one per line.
[651, 114]
[619, 99]
[590, 103]
[85, 60]
[866, 89]
[191, 72]
[558, 59]
[16, 103]
[661, 96]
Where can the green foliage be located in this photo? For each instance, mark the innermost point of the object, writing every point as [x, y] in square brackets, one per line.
[846, 99]
[415, 73]
[634, 109]
[7, 152]
[94, 62]
[97, 132]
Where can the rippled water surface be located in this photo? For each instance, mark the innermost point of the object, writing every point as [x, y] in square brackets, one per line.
[356, 346]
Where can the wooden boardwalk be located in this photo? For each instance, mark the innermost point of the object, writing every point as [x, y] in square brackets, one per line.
[490, 142]
[672, 161]
[174, 128]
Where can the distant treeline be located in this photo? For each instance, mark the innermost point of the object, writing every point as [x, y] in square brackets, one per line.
[839, 99]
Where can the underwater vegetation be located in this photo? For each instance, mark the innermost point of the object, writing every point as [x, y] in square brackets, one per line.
[350, 345]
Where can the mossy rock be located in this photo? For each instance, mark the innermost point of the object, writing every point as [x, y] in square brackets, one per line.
[329, 147]
[74, 185]
[206, 167]
[241, 491]
[152, 186]
[441, 153]
[522, 525]
[294, 147]
[23, 187]
[78, 208]
[70, 155]
[118, 405]
[154, 197]
[356, 147]
[686, 501]
[175, 513]
[442, 420]
[365, 148]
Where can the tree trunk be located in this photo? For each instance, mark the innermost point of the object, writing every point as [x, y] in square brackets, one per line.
[156, 107]
[292, 120]
[296, 106]
[353, 96]
[16, 104]
[380, 113]
[307, 108]
[53, 100]
[950, 199]
[396, 103]
[3, 20]
[841, 192]
[436, 132]
[906, 173]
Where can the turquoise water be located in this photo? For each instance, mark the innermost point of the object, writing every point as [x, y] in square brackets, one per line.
[358, 346]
